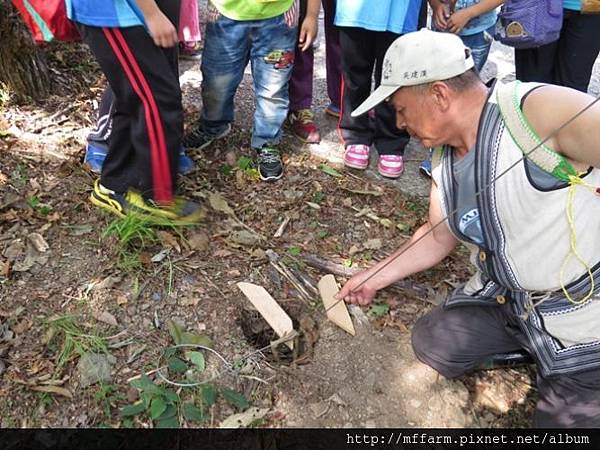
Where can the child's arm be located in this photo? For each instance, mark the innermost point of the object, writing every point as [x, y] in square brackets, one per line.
[310, 25]
[440, 14]
[459, 19]
[161, 29]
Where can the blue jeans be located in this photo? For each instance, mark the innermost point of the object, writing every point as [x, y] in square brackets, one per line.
[480, 44]
[269, 46]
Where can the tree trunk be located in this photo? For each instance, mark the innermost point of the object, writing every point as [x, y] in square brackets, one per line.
[23, 69]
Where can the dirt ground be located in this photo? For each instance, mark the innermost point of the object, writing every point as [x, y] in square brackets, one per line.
[69, 288]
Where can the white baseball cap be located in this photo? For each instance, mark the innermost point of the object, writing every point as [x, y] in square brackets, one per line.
[417, 58]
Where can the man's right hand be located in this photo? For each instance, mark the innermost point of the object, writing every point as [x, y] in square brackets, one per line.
[162, 30]
[358, 289]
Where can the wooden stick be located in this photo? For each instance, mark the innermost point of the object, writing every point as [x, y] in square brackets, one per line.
[347, 272]
[281, 228]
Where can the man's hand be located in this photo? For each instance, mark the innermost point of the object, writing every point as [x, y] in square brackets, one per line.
[458, 21]
[357, 293]
[308, 33]
[162, 30]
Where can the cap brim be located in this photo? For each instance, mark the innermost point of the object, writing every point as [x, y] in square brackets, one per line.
[379, 95]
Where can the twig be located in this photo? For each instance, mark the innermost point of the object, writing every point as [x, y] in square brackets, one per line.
[54, 116]
[150, 372]
[347, 272]
[281, 228]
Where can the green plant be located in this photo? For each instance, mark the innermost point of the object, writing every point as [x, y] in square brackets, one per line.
[73, 341]
[318, 197]
[378, 310]
[245, 164]
[295, 251]
[106, 396]
[226, 169]
[133, 233]
[35, 203]
[158, 403]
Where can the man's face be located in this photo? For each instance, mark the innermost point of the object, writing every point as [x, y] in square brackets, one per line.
[419, 114]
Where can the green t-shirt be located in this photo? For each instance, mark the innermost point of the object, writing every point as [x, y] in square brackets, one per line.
[252, 9]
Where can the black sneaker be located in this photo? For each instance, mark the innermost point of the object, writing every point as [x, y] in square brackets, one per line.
[270, 167]
[199, 138]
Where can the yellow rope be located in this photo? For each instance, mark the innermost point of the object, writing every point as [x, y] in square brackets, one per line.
[575, 181]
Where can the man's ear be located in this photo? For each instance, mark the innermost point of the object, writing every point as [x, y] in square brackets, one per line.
[441, 95]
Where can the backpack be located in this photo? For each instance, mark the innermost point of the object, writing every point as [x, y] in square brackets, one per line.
[529, 23]
[47, 20]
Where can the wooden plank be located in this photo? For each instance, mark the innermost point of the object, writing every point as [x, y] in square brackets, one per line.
[266, 305]
[338, 314]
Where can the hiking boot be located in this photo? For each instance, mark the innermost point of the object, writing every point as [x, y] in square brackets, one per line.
[179, 212]
[270, 166]
[199, 138]
[333, 111]
[95, 156]
[390, 166]
[357, 156]
[304, 127]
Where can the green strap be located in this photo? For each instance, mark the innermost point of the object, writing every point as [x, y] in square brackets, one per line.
[526, 138]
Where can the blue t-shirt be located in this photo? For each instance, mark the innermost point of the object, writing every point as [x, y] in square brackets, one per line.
[479, 23]
[397, 16]
[105, 13]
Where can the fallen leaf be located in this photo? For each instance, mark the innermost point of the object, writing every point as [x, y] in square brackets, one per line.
[313, 205]
[106, 317]
[373, 244]
[244, 237]
[107, 282]
[38, 242]
[223, 253]
[160, 256]
[199, 241]
[218, 203]
[168, 240]
[244, 419]
[330, 171]
[353, 250]
[386, 223]
[189, 301]
[53, 390]
[80, 230]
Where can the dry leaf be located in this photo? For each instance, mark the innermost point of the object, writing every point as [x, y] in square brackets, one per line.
[373, 244]
[223, 253]
[106, 317]
[53, 390]
[168, 240]
[38, 242]
[244, 237]
[244, 419]
[386, 223]
[107, 283]
[199, 241]
[218, 203]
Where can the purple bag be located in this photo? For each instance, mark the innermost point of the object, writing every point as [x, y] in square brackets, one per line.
[529, 23]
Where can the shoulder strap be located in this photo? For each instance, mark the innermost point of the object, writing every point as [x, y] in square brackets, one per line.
[507, 97]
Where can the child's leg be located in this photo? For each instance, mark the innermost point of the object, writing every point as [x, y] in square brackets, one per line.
[148, 117]
[272, 59]
[358, 59]
[225, 56]
[333, 55]
[480, 44]
[388, 140]
[301, 81]
[189, 25]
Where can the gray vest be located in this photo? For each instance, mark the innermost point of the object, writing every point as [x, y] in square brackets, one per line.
[526, 240]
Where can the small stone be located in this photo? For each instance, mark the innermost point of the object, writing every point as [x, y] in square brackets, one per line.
[370, 424]
[156, 296]
[93, 368]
